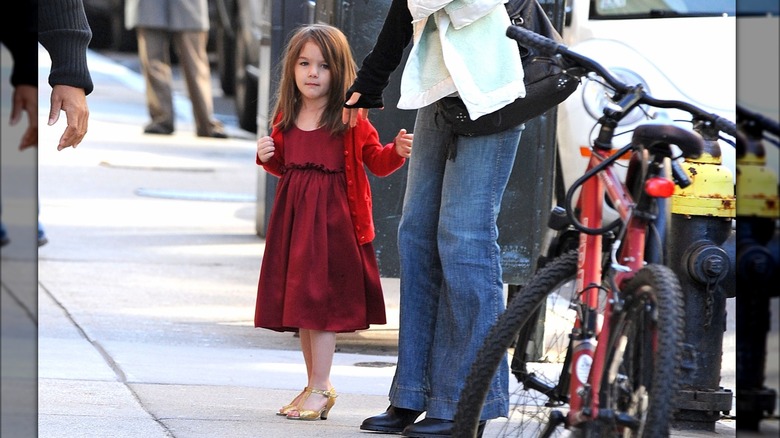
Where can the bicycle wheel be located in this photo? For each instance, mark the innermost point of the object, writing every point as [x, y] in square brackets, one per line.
[542, 378]
[641, 376]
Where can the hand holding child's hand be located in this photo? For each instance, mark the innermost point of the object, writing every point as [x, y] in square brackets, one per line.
[265, 148]
[403, 143]
[351, 114]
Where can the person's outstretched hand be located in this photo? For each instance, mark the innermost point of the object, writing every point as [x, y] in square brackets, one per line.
[73, 101]
[25, 99]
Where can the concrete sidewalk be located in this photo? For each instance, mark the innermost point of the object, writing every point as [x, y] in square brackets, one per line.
[145, 293]
[146, 290]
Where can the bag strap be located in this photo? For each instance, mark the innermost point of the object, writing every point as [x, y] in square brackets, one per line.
[532, 16]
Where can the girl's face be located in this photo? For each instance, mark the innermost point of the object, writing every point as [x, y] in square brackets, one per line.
[312, 73]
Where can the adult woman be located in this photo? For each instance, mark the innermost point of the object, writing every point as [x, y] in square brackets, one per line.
[451, 286]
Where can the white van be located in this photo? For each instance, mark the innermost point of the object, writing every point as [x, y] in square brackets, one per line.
[679, 49]
[758, 68]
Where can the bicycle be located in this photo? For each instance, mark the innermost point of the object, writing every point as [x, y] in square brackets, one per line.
[613, 371]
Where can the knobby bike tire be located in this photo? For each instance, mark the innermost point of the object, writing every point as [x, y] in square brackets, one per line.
[636, 401]
[640, 379]
[521, 310]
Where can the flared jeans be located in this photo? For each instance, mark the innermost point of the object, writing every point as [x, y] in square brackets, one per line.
[450, 267]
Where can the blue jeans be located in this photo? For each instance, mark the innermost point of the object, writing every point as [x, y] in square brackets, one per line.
[451, 284]
[4, 232]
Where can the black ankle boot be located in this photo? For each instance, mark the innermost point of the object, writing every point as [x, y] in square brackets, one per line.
[435, 428]
[393, 420]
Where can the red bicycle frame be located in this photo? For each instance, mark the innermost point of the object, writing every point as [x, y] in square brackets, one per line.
[584, 404]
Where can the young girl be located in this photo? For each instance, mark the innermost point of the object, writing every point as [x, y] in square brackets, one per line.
[319, 274]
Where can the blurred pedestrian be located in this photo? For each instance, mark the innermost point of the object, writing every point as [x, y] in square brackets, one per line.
[185, 23]
[319, 274]
[61, 27]
[451, 278]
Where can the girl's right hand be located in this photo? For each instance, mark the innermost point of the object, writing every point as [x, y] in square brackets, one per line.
[265, 148]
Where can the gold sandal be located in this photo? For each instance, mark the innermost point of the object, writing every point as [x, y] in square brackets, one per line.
[284, 410]
[313, 415]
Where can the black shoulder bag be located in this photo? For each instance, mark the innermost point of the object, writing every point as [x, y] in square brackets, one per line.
[546, 82]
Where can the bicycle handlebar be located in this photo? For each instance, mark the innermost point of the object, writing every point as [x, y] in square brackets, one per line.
[758, 121]
[573, 59]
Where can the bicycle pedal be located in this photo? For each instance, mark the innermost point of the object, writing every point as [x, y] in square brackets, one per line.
[558, 220]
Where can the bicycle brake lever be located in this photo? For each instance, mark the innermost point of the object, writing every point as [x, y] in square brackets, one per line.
[679, 176]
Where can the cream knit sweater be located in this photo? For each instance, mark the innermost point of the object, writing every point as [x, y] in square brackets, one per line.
[461, 48]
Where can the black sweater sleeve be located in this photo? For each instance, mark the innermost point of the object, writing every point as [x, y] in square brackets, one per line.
[18, 33]
[384, 58]
[65, 33]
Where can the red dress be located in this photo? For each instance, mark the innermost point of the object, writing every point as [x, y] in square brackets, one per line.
[314, 274]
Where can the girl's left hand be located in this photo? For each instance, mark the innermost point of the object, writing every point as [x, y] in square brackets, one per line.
[403, 143]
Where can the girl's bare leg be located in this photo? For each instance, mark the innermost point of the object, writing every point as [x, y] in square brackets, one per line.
[321, 347]
[306, 350]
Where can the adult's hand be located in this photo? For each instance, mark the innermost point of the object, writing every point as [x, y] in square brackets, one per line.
[351, 115]
[25, 99]
[73, 101]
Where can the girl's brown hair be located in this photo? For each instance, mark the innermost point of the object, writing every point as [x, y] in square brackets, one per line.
[337, 53]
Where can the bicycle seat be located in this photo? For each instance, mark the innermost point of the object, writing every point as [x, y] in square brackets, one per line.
[690, 143]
